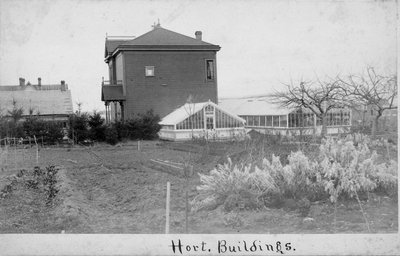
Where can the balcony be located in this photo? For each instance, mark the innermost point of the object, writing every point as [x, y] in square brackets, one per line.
[112, 91]
[111, 83]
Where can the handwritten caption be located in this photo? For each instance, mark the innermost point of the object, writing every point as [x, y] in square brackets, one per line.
[222, 246]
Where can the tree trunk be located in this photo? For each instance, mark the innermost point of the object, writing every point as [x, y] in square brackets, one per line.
[375, 125]
[324, 129]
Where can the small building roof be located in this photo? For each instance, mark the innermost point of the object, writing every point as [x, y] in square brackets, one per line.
[188, 109]
[159, 38]
[44, 102]
[253, 106]
[112, 92]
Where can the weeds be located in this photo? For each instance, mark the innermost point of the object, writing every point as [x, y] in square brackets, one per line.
[42, 181]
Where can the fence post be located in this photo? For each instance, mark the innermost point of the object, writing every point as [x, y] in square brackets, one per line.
[167, 209]
[15, 155]
[37, 150]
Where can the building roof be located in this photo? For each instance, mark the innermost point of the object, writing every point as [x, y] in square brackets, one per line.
[112, 92]
[31, 87]
[253, 106]
[44, 102]
[159, 38]
[112, 44]
[188, 109]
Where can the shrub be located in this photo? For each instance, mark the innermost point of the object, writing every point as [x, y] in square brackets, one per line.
[51, 131]
[54, 132]
[343, 169]
[351, 169]
[79, 127]
[235, 183]
[144, 126]
[111, 135]
[97, 127]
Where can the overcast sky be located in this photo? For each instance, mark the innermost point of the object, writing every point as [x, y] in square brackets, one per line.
[263, 43]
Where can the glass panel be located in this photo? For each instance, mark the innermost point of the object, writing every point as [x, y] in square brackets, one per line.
[269, 121]
[193, 122]
[275, 121]
[210, 122]
[283, 121]
[262, 120]
[251, 120]
[256, 120]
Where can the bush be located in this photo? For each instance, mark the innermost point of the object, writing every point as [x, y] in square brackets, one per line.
[350, 169]
[234, 185]
[51, 131]
[97, 127]
[144, 126]
[344, 169]
[111, 135]
[79, 127]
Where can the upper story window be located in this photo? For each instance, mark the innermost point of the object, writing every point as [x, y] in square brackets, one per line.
[210, 70]
[149, 70]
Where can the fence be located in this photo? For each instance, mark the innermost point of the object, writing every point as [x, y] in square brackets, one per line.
[17, 153]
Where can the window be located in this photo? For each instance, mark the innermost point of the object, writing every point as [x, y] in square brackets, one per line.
[275, 121]
[210, 122]
[269, 121]
[283, 121]
[251, 121]
[149, 70]
[210, 71]
[262, 120]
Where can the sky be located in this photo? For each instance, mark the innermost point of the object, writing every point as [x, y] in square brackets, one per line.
[264, 44]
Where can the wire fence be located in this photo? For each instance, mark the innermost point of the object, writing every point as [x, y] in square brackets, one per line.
[17, 153]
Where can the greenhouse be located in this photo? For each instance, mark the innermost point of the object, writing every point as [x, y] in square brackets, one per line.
[267, 118]
[201, 120]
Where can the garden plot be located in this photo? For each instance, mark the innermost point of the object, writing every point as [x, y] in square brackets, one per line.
[119, 189]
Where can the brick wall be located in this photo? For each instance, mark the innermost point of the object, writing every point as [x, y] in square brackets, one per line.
[176, 76]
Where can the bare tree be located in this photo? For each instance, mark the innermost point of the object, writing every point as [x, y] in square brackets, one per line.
[16, 112]
[372, 90]
[317, 96]
[79, 105]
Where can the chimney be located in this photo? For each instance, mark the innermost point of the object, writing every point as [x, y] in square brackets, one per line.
[21, 81]
[39, 81]
[198, 35]
[63, 86]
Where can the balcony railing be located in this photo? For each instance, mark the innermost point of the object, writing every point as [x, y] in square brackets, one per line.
[111, 83]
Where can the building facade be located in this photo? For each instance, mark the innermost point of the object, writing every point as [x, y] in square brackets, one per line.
[268, 118]
[203, 120]
[158, 71]
[50, 102]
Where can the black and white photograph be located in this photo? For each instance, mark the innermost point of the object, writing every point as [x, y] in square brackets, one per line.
[199, 127]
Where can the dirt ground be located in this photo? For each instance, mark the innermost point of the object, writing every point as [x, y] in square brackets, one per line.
[119, 189]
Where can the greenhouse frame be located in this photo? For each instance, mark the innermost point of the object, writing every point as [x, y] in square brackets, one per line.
[204, 120]
[265, 117]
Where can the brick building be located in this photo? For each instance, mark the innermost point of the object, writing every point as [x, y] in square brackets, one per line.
[158, 70]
